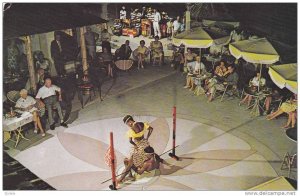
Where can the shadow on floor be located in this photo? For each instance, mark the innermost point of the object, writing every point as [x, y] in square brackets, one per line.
[17, 177]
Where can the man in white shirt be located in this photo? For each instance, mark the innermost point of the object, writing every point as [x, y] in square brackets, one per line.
[27, 104]
[48, 94]
[123, 13]
[176, 26]
[156, 20]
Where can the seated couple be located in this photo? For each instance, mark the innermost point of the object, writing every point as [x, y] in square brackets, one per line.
[142, 157]
[214, 84]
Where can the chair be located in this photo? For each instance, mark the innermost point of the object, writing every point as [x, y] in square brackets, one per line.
[221, 89]
[13, 96]
[155, 60]
[289, 162]
[85, 89]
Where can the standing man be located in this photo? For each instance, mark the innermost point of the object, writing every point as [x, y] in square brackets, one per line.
[123, 13]
[90, 39]
[143, 13]
[57, 54]
[176, 26]
[150, 16]
[156, 21]
[48, 94]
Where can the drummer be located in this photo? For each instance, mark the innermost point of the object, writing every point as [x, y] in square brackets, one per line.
[27, 103]
[254, 84]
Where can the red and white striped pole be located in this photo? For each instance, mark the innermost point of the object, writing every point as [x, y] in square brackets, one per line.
[172, 154]
[112, 165]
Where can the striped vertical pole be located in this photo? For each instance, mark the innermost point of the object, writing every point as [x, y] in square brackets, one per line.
[173, 155]
[112, 158]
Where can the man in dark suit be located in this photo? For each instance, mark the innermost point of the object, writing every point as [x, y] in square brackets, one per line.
[57, 54]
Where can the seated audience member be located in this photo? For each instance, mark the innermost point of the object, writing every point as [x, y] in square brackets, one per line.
[221, 70]
[27, 104]
[124, 52]
[105, 39]
[275, 96]
[253, 88]
[178, 59]
[288, 107]
[141, 53]
[189, 59]
[231, 80]
[201, 79]
[47, 93]
[194, 72]
[106, 59]
[156, 48]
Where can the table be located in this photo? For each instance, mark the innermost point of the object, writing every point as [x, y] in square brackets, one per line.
[197, 81]
[291, 133]
[290, 160]
[15, 125]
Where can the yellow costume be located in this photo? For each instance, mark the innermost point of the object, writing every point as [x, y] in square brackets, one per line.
[289, 106]
[132, 134]
[138, 154]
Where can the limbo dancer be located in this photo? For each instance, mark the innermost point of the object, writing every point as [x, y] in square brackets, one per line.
[151, 163]
[136, 135]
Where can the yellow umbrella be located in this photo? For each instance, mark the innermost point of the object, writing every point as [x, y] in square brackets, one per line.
[285, 76]
[200, 38]
[254, 51]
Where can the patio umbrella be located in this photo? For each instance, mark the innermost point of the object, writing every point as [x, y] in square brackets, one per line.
[258, 51]
[254, 51]
[285, 76]
[201, 38]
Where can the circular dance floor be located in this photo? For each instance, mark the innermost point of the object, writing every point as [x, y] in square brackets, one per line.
[210, 158]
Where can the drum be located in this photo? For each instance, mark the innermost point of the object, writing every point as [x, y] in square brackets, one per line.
[132, 32]
[126, 21]
[144, 30]
[125, 31]
[146, 22]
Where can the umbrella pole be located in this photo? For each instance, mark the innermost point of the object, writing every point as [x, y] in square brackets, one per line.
[259, 77]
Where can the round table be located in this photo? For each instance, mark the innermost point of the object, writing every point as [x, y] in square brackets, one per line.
[291, 133]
